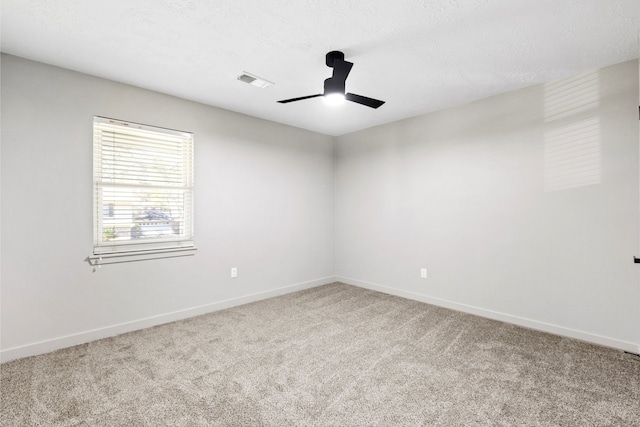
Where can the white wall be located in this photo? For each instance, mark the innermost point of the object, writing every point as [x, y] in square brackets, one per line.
[471, 193]
[461, 192]
[263, 202]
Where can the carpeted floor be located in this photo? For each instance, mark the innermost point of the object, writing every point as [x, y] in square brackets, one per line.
[334, 355]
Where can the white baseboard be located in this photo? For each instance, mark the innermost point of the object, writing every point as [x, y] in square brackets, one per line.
[520, 321]
[109, 331]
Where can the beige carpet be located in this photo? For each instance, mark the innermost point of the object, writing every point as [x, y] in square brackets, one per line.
[335, 355]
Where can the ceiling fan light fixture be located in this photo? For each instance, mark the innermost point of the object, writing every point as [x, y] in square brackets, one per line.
[335, 98]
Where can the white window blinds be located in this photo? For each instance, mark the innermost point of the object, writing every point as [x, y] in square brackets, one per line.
[143, 188]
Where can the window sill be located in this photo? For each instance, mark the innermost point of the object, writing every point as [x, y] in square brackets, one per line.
[97, 260]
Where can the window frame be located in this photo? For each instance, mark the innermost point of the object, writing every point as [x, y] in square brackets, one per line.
[156, 247]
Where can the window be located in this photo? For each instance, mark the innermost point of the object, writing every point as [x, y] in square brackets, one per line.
[143, 189]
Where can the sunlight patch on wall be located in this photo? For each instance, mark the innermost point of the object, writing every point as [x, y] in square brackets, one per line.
[572, 155]
[572, 137]
[571, 96]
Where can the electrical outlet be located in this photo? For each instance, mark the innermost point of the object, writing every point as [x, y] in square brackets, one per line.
[234, 272]
[423, 273]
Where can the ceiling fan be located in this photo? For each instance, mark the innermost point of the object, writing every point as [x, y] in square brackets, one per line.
[334, 86]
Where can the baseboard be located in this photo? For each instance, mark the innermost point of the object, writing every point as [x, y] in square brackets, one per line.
[109, 331]
[520, 321]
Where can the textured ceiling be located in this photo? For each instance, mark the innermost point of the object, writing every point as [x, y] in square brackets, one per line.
[418, 56]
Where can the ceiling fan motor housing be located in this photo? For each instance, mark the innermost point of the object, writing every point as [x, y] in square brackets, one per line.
[332, 56]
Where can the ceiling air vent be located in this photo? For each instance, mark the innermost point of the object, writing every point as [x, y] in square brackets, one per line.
[254, 80]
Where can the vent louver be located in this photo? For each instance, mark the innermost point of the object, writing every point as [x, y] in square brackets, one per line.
[246, 78]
